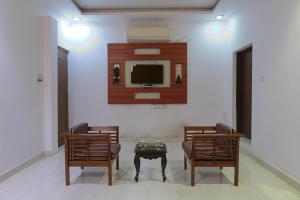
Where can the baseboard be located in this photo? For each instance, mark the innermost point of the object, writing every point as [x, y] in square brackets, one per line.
[287, 178]
[50, 153]
[20, 167]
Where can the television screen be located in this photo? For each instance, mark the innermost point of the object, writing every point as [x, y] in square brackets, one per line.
[147, 74]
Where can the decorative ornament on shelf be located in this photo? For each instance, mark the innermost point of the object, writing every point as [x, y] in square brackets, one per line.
[178, 79]
[116, 72]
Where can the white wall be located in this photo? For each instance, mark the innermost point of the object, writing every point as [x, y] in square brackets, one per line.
[50, 84]
[273, 26]
[21, 100]
[208, 63]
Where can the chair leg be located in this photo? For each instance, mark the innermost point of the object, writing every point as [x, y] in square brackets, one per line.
[236, 175]
[185, 163]
[192, 175]
[117, 163]
[109, 175]
[67, 173]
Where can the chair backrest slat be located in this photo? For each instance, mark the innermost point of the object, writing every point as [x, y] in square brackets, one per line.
[215, 147]
[88, 147]
[113, 131]
[189, 131]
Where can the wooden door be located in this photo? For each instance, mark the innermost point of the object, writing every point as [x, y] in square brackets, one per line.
[63, 111]
[244, 91]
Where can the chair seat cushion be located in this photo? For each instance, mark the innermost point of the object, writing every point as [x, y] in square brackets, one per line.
[187, 148]
[115, 150]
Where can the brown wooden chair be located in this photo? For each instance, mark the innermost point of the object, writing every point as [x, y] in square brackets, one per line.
[92, 146]
[113, 131]
[211, 146]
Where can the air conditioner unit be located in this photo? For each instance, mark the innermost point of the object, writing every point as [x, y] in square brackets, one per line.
[148, 34]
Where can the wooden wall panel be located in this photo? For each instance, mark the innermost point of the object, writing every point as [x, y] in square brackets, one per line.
[120, 53]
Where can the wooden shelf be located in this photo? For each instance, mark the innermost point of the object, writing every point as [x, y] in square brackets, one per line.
[119, 53]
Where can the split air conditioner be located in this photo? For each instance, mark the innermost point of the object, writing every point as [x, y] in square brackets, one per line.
[148, 34]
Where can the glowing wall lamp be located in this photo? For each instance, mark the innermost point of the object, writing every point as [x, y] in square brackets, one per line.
[219, 17]
[75, 32]
[76, 19]
[77, 37]
[217, 31]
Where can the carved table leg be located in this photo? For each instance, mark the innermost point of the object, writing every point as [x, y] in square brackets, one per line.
[163, 166]
[137, 163]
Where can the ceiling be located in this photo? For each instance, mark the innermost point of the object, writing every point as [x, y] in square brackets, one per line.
[103, 11]
[125, 5]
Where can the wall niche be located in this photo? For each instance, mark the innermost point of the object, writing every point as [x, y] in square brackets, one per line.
[173, 56]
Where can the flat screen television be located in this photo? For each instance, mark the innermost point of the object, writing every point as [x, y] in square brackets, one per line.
[147, 74]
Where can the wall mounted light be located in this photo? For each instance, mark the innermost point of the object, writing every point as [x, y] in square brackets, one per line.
[77, 19]
[216, 31]
[75, 32]
[220, 17]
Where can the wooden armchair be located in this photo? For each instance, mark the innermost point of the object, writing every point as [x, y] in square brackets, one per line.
[211, 146]
[113, 131]
[91, 146]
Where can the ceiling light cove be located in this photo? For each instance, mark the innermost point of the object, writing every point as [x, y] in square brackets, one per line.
[132, 6]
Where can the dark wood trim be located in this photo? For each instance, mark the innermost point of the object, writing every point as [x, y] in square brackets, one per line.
[62, 88]
[143, 10]
[216, 4]
[76, 5]
[244, 68]
[245, 48]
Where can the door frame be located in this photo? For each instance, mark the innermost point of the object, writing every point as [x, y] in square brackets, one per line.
[234, 92]
[58, 89]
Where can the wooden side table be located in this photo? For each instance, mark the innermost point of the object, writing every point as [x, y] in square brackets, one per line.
[150, 151]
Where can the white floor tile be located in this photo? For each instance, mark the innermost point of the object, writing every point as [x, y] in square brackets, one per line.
[44, 180]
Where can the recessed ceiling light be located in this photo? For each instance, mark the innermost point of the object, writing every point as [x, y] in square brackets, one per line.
[77, 19]
[220, 17]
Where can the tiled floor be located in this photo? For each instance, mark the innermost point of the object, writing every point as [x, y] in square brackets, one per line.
[44, 180]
